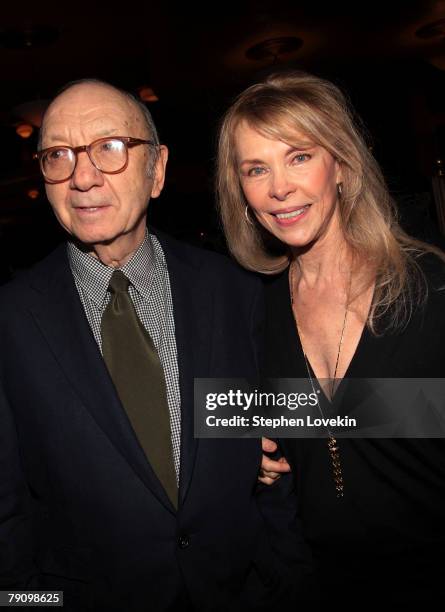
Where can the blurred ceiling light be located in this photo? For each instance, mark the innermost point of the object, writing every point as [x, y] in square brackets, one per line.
[32, 111]
[147, 94]
[24, 130]
[33, 194]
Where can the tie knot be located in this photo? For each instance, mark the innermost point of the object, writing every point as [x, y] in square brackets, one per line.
[118, 283]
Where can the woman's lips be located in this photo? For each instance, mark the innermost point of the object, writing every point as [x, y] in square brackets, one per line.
[291, 215]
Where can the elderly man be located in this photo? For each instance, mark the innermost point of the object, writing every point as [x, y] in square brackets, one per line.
[104, 492]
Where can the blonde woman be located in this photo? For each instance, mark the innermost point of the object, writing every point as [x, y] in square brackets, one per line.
[348, 294]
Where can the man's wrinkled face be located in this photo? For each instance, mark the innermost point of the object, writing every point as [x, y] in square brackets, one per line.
[94, 207]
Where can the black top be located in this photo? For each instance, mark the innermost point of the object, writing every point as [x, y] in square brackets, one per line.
[384, 541]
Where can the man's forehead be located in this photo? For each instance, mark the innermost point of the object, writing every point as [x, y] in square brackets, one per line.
[86, 98]
[94, 116]
[95, 107]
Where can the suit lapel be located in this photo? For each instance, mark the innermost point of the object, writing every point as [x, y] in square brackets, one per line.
[59, 315]
[193, 315]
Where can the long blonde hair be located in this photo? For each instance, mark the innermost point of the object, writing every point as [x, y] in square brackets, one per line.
[383, 253]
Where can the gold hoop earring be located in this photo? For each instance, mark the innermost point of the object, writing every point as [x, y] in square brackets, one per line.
[246, 214]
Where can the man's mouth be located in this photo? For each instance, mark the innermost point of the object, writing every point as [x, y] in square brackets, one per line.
[90, 207]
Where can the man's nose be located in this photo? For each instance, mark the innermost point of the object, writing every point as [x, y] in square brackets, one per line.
[85, 175]
[281, 185]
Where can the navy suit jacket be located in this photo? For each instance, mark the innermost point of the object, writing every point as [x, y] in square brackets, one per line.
[80, 507]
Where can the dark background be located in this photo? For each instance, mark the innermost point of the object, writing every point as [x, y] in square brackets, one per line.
[195, 60]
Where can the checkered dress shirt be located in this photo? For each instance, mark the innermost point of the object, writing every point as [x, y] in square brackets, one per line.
[151, 295]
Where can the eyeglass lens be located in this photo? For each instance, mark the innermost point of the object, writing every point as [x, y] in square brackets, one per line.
[107, 155]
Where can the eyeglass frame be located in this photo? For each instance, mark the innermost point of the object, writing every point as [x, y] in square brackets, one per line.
[128, 141]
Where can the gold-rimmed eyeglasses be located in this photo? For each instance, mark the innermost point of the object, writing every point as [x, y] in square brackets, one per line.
[109, 155]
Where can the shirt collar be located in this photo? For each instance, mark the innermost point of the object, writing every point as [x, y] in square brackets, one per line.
[94, 276]
[141, 267]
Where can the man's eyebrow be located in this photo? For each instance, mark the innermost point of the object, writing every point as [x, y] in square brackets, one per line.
[100, 134]
[109, 132]
[54, 138]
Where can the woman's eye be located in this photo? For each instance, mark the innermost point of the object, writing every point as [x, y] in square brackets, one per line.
[302, 157]
[257, 171]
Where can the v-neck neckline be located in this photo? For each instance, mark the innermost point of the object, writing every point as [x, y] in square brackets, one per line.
[352, 363]
[347, 374]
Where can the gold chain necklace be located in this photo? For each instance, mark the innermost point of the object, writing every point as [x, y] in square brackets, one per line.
[332, 442]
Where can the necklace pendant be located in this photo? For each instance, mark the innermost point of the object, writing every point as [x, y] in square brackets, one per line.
[332, 442]
[336, 466]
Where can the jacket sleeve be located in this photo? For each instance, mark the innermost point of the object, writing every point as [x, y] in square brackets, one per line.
[278, 505]
[17, 569]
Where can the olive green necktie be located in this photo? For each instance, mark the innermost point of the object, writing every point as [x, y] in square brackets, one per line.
[134, 366]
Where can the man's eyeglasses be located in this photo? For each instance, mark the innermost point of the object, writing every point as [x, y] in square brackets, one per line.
[109, 155]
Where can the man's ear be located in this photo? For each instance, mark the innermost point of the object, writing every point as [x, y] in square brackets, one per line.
[159, 172]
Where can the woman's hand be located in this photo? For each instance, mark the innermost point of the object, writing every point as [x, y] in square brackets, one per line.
[271, 469]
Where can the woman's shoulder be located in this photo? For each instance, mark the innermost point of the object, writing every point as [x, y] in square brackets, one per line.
[277, 294]
[276, 285]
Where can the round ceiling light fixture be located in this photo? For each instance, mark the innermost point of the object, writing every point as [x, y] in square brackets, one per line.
[436, 29]
[147, 94]
[33, 193]
[274, 48]
[24, 130]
